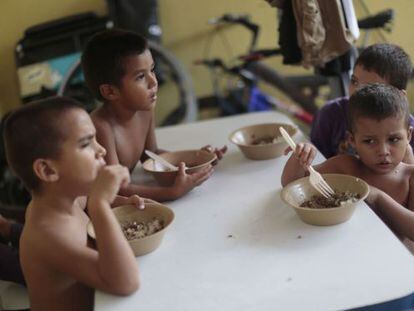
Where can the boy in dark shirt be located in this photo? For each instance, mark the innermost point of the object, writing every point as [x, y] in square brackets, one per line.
[378, 63]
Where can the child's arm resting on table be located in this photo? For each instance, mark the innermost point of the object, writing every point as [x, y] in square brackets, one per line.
[112, 267]
[399, 218]
[183, 183]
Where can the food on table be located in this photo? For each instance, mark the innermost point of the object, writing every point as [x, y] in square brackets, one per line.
[264, 140]
[338, 199]
[136, 230]
[166, 169]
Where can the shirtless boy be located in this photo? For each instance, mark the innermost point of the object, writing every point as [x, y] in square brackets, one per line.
[119, 69]
[51, 147]
[378, 118]
[379, 63]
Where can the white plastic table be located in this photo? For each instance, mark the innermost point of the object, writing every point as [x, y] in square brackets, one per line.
[234, 244]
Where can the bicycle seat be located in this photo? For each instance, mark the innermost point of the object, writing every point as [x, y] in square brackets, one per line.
[378, 20]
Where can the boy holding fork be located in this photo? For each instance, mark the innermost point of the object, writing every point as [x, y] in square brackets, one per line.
[379, 131]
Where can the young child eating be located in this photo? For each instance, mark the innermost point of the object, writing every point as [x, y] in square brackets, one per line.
[51, 146]
[379, 63]
[379, 131]
[119, 69]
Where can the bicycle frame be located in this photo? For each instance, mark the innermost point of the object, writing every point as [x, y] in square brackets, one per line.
[257, 100]
[291, 86]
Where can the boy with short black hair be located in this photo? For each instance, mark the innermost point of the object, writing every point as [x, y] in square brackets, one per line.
[119, 70]
[378, 63]
[51, 147]
[378, 119]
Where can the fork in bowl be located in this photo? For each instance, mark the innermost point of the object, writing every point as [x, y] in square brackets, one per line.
[316, 179]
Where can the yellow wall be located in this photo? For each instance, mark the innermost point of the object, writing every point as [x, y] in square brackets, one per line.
[186, 32]
[16, 17]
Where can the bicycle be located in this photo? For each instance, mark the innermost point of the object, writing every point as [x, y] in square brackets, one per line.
[245, 95]
[302, 89]
[171, 74]
[59, 44]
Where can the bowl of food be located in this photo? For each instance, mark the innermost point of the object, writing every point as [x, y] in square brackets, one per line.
[194, 160]
[314, 209]
[262, 141]
[144, 229]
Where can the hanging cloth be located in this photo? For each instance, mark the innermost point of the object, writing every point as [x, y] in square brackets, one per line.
[323, 29]
[288, 43]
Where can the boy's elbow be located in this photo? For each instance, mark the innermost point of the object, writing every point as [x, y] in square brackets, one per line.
[126, 288]
[130, 288]
[123, 285]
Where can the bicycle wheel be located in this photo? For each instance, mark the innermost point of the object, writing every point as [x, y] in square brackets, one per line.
[267, 74]
[173, 79]
[175, 87]
[73, 85]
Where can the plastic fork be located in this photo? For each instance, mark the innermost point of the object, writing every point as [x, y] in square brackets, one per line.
[316, 179]
[161, 160]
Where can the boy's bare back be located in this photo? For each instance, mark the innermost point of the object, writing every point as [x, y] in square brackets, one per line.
[45, 264]
[65, 165]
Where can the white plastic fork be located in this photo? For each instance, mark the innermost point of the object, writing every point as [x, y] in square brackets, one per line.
[316, 179]
[161, 160]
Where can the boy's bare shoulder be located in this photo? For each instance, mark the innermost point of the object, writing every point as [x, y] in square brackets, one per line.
[340, 164]
[37, 231]
[344, 160]
[59, 230]
[344, 157]
[409, 169]
[99, 116]
[102, 121]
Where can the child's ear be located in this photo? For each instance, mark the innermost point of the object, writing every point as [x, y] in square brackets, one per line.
[109, 92]
[350, 138]
[409, 133]
[45, 170]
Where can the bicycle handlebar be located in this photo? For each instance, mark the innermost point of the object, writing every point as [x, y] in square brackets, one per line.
[379, 20]
[243, 20]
